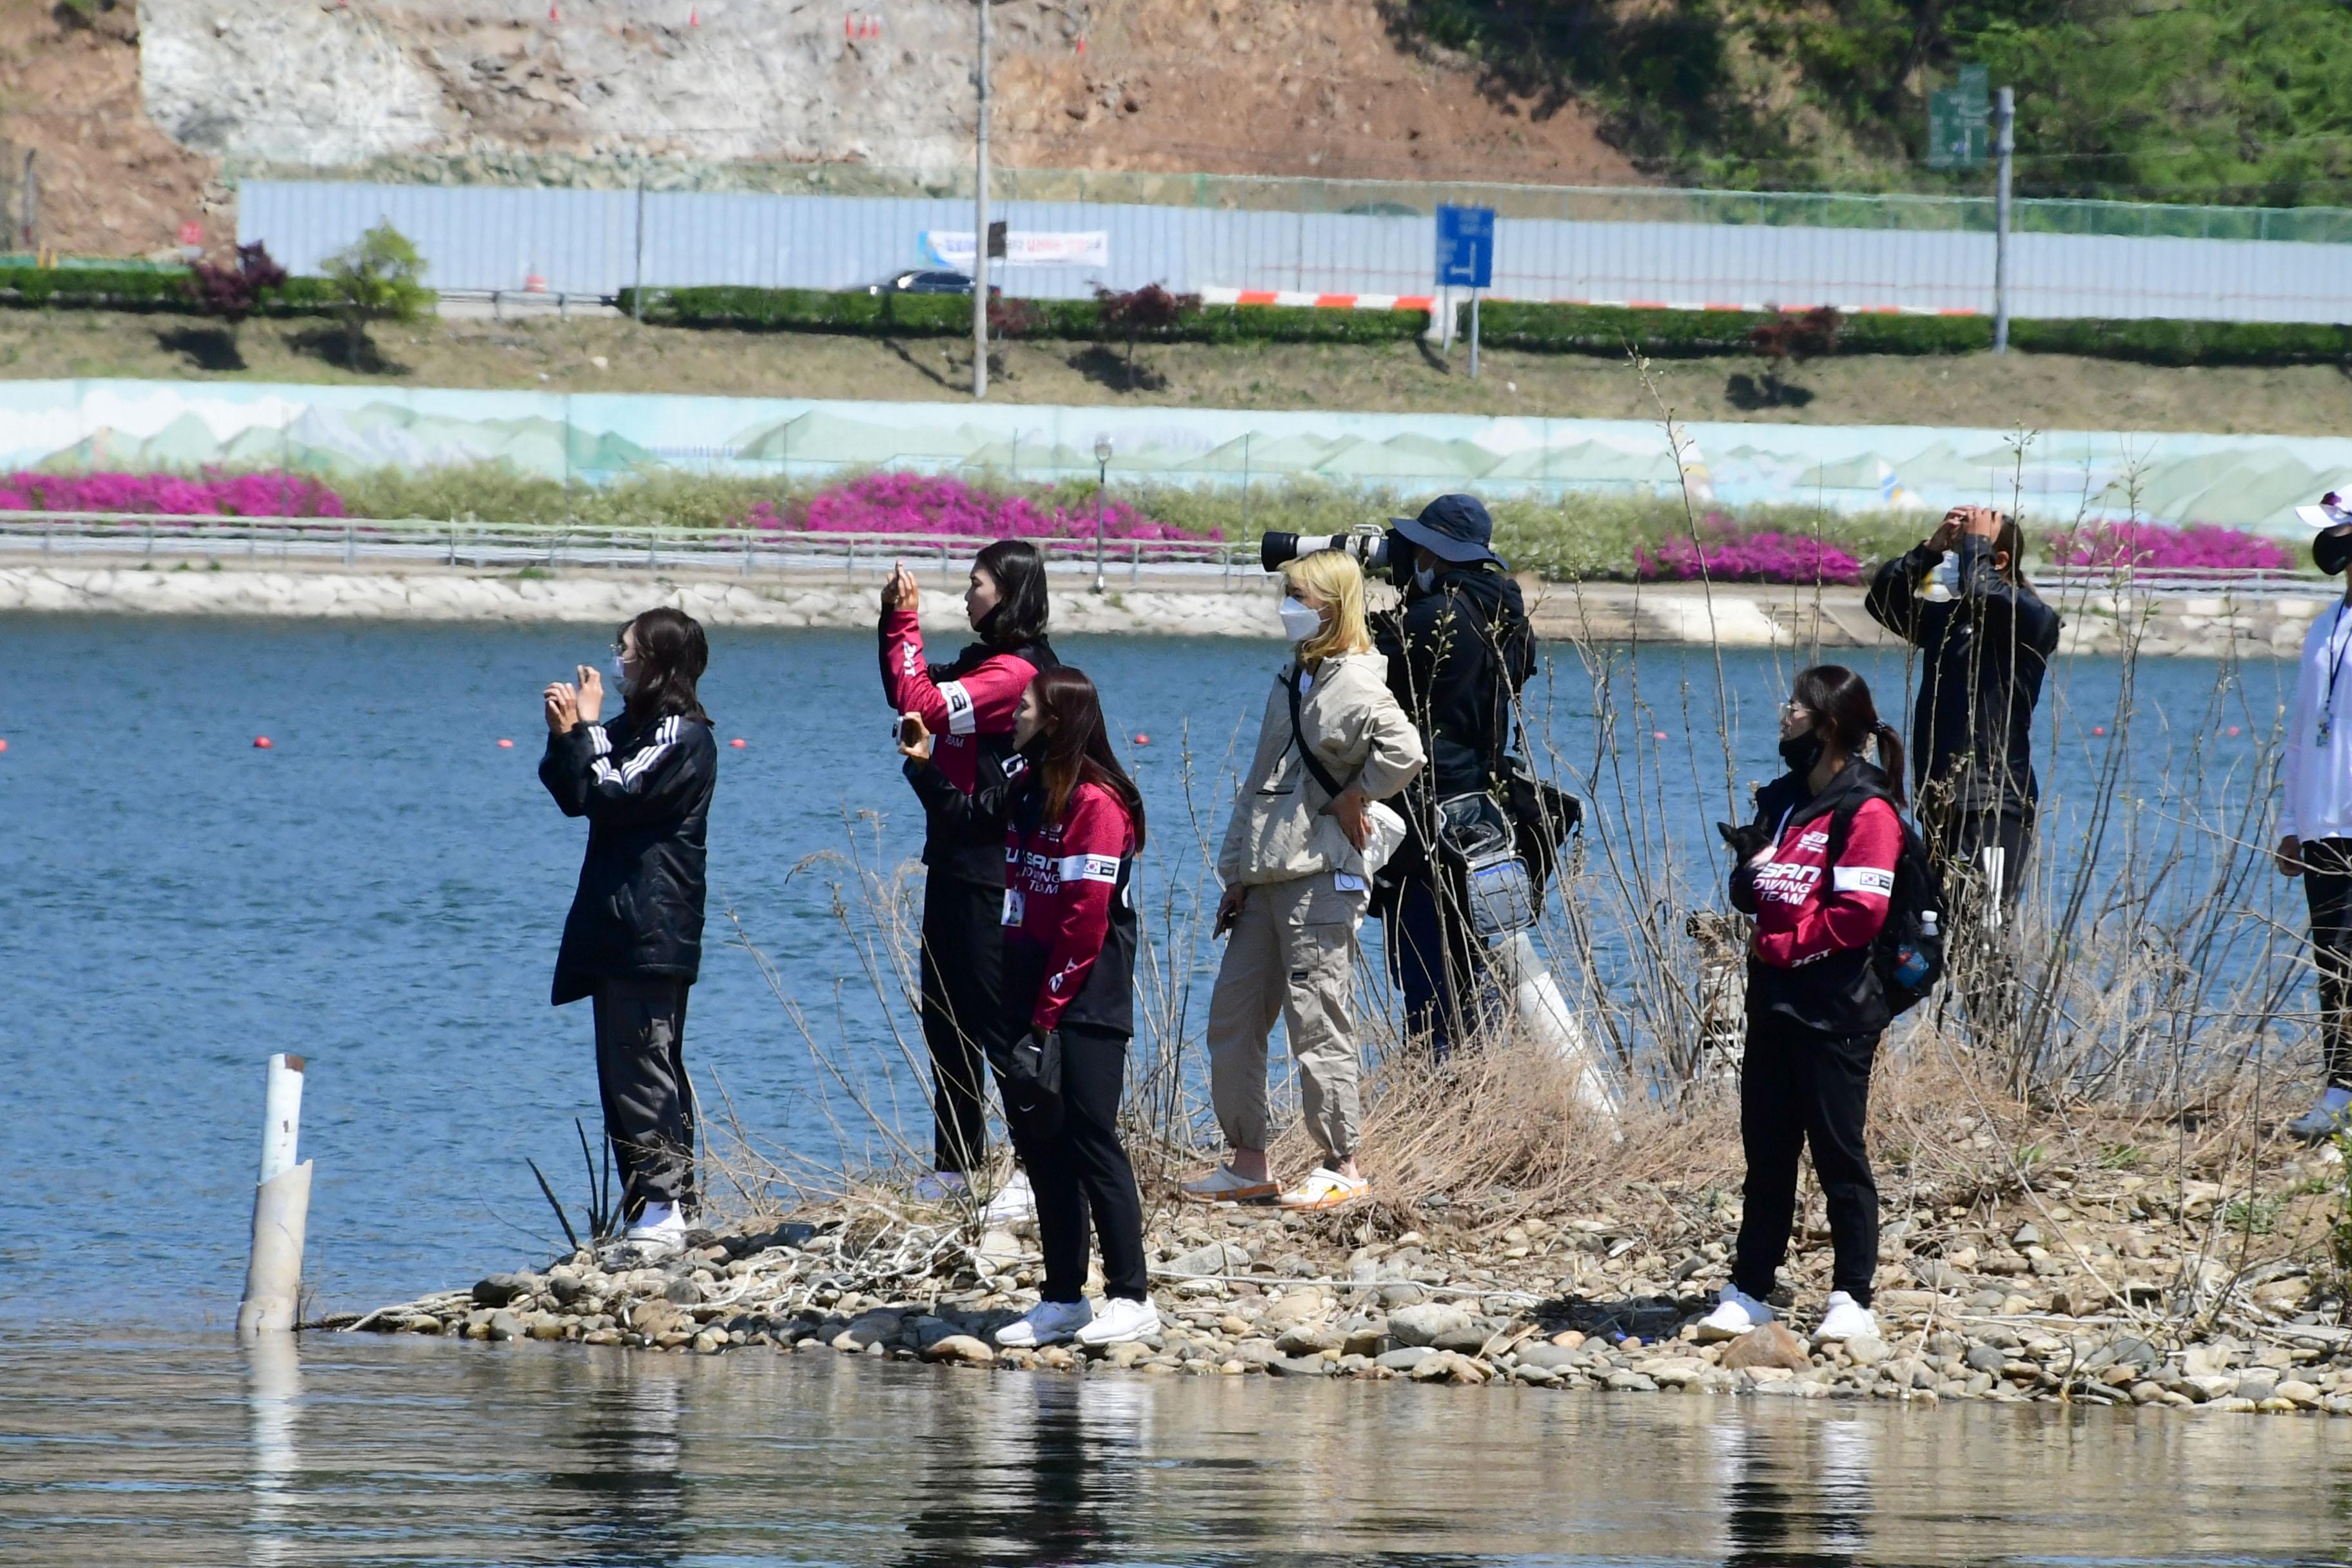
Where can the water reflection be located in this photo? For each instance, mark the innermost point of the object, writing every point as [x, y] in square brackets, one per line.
[273, 1380]
[367, 1451]
[1040, 1477]
[1793, 1493]
[621, 1435]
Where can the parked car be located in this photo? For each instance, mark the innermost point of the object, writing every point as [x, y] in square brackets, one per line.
[921, 282]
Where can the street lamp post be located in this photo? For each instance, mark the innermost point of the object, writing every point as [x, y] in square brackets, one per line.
[1102, 484]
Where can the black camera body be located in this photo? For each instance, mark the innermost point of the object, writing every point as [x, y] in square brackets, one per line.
[1374, 549]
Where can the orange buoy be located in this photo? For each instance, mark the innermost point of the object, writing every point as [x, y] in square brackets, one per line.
[505, 744]
[262, 742]
[2234, 731]
[2098, 729]
[1141, 738]
[1657, 734]
[3, 745]
[738, 742]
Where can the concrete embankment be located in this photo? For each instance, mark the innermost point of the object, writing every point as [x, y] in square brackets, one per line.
[1730, 616]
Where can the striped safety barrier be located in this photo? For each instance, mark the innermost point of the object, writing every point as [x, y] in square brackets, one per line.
[1308, 297]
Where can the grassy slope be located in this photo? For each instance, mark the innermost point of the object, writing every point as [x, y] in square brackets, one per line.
[2028, 390]
[2227, 100]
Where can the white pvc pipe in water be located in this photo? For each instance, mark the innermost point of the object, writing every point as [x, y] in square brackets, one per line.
[281, 1208]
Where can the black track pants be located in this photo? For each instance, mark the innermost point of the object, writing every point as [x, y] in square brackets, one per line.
[1080, 1170]
[2328, 884]
[641, 1078]
[1964, 844]
[962, 979]
[1798, 1087]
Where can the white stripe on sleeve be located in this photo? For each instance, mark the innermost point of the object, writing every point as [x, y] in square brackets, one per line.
[1089, 868]
[963, 718]
[1862, 880]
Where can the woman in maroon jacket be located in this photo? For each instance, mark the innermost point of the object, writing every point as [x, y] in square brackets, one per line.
[1817, 870]
[968, 706]
[1077, 825]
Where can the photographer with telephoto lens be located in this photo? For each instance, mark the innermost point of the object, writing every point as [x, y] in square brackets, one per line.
[2315, 817]
[1459, 648]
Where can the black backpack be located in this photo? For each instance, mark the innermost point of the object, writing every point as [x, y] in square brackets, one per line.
[1917, 897]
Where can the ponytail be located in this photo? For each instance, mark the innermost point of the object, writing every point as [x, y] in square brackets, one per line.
[1890, 760]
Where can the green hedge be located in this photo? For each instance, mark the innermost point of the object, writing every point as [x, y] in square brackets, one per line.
[1703, 334]
[949, 315]
[138, 289]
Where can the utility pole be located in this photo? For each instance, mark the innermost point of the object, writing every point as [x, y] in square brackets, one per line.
[2004, 144]
[980, 224]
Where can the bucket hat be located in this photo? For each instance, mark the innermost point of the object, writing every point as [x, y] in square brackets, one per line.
[1454, 527]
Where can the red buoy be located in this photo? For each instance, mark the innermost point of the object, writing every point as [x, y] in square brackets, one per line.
[2098, 729]
[505, 744]
[2234, 731]
[738, 742]
[262, 742]
[3, 745]
[1141, 738]
[1657, 734]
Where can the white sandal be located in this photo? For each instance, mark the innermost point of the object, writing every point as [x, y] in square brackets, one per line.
[1325, 1189]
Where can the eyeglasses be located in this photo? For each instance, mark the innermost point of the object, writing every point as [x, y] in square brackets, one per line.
[1794, 711]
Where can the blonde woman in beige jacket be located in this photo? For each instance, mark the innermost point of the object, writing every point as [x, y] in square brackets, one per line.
[1297, 863]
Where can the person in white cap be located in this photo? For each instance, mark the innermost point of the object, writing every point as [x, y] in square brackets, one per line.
[2315, 818]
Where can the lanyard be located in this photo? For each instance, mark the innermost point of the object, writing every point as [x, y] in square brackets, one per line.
[2337, 649]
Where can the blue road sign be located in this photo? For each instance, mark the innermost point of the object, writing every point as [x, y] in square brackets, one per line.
[1465, 247]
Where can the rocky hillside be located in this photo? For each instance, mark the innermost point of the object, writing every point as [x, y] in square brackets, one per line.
[133, 111]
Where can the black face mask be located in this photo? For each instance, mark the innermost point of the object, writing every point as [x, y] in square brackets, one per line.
[1802, 752]
[2332, 551]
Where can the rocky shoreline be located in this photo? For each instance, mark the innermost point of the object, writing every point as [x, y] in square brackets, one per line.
[2110, 1293]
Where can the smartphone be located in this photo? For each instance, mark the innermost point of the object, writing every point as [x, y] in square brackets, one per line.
[911, 729]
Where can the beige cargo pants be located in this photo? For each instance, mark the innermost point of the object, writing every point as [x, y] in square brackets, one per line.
[1291, 955]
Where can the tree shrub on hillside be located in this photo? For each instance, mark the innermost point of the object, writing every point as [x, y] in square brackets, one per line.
[379, 278]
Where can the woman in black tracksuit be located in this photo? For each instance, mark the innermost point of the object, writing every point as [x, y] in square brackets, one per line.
[968, 706]
[633, 941]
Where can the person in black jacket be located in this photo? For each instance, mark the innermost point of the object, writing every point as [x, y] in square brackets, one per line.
[1987, 648]
[633, 941]
[1459, 648]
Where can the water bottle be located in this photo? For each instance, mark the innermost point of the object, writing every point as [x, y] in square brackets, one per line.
[1910, 963]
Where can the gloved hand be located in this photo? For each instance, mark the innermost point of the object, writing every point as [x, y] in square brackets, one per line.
[1746, 842]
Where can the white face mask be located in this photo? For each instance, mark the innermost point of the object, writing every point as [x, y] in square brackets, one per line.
[1298, 621]
[1948, 572]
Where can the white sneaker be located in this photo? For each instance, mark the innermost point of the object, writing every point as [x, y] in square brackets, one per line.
[1046, 1323]
[1735, 1312]
[660, 1228]
[1847, 1319]
[1120, 1320]
[938, 1186]
[1014, 1202]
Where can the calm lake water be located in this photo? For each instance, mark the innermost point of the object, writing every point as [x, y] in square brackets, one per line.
[351, 1452]
[381, 892]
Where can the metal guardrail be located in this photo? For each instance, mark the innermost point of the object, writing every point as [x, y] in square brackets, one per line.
[2184, 582]
[746, 551]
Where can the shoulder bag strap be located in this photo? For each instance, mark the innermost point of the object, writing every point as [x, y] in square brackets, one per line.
[1315, 767]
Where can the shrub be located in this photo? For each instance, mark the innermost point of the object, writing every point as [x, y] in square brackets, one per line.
[949, 315]
[1758, 558]
[2147, 546]
[268, 494]
[931, 503]
[234, 292]
[378, 278]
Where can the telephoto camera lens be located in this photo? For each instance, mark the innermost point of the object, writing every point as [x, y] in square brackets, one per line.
[1369, 547]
